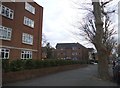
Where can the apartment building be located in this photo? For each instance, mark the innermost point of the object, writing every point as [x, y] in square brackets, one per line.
[20, 30]
[91, 53]
[72, 51]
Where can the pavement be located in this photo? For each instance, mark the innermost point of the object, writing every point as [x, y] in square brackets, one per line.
[0, 73]
[86, 76]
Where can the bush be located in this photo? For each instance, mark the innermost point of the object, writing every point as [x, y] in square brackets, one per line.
[53, 63]
[18, 65]
[29, 64]
[39, 64]
[5, 65]
[46, 63]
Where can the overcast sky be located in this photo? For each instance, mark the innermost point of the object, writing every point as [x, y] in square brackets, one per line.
[58, 19]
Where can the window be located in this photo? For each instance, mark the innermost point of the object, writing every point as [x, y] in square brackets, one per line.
[29, 8]
[11, 14]
[74, 53]
[27, 39]
[74, 48]
[12, 0]
[3, 10]
[28, 22]
[7, 12]
[5, 33]
[4, 53]
[26, 55]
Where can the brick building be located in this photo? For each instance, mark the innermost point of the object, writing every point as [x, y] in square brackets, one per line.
[72, 51]
[91, 53]
[20, 30]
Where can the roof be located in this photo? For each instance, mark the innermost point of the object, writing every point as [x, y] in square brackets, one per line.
[91, 49]
[68, 45]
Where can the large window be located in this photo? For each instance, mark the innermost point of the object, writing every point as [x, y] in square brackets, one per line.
[28, 22]
[29, 8]
[74, 53]
[27, 38]
[26, 55]
[7, 12]
[5, 33]
[4, 53]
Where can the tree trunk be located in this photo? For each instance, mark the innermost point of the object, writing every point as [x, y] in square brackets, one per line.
[101, 49]
[103, 66]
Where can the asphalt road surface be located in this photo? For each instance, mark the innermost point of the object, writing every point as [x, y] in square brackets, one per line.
[86, 76]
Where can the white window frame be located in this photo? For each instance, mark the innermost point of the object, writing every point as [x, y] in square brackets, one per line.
[29, 8]
[12, 0]
[28, 22]
[10, 12]
[5, 52]
[27, 39]
[5, 33]
[74, 53]
[74, 48]
[24, 54]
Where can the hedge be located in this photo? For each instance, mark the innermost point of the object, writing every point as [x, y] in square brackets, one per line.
[18, 65]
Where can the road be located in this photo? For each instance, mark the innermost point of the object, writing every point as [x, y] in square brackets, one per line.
[86, 76]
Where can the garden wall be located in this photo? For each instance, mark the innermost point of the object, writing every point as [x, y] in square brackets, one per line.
[28, 74]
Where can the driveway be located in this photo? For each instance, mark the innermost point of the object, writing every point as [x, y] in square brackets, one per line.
[86, 76]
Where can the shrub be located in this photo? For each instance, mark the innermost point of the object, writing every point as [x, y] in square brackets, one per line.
[29, 64]
[16, 65]
[5, 65]
[48, 63]
[62, 62]
[38, 64]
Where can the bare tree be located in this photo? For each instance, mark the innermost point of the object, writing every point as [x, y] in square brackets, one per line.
[44, 40]
[102, 39]
[99, 30]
